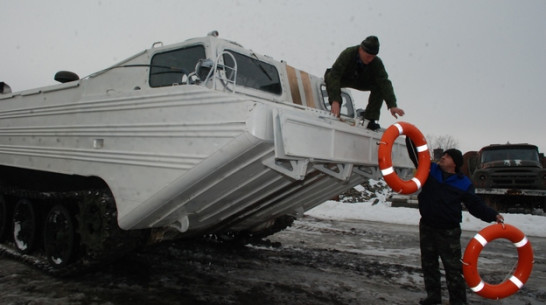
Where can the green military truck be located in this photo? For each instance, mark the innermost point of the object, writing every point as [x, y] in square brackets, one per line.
[509, 177]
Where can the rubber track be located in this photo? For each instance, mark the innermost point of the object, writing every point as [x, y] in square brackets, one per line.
[84, 263]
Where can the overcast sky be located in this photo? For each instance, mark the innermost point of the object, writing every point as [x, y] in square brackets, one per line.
[473, 70]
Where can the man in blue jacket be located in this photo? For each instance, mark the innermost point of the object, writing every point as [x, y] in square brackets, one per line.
[439, 228]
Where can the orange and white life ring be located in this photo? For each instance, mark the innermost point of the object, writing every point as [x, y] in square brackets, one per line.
[385, 160]
[520, 275]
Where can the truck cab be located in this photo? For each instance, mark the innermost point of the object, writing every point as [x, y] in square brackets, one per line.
[511, 177]
[221, 65]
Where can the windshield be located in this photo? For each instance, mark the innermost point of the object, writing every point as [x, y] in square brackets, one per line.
[169, 68]
[527, 154]
[253, 73]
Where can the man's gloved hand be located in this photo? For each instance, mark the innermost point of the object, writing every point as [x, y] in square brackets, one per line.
[395, 111]
[335, 108]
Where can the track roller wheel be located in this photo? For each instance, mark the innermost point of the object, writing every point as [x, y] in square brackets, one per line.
[25, 223]
[4, 219]
[59, 236]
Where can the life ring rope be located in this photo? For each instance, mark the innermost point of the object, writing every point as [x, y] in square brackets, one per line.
[385, 159]
[516, 280]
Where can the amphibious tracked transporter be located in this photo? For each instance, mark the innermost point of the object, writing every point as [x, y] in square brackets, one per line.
[201, 137]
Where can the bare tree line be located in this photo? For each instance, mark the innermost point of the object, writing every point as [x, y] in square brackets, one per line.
[441, 143]
[444, 142]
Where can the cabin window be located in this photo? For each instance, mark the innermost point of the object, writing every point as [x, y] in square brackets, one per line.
[253, 73]
[346, 102]
[172, 68]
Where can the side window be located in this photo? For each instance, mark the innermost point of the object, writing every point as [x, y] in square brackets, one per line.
[253, 73]
[170, 67]
[346, 102]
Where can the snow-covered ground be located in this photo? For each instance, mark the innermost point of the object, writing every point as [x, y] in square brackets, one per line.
[379, 209]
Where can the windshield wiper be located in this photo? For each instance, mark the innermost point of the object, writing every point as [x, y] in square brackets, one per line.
[259, 64]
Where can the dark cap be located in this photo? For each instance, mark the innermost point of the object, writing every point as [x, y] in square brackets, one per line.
[370, 45]
[457, 157]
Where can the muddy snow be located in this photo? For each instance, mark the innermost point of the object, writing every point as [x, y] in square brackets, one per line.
[338, 253]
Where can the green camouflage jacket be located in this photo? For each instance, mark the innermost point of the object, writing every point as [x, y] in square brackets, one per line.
[349, 71]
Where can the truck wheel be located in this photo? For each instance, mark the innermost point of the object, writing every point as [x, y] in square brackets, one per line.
[59, 236]
[25, 226]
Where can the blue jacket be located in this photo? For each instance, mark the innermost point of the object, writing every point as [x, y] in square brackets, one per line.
[440, 200]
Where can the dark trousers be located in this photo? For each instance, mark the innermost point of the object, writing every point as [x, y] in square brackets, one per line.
[375, 100]
[446, 245]
[373, 109]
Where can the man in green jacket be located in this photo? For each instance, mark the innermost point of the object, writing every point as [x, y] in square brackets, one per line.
[358, 67]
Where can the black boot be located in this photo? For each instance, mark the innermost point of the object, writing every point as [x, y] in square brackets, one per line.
[430, 301]
[372, 125]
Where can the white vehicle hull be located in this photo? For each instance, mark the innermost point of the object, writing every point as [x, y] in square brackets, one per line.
[191, 157]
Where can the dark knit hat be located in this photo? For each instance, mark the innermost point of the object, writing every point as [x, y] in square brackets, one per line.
[370, 45]
[457, 157]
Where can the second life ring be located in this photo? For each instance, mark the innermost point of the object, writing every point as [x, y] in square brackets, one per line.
[520, 275]
[385, 159]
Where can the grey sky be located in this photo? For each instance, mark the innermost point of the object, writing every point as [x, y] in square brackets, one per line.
[474, 70]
